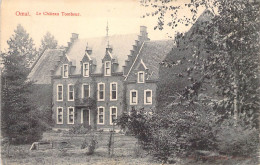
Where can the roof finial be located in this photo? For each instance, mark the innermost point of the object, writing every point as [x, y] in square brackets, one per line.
[107, 36]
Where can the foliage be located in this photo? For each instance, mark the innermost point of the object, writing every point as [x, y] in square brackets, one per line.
[90, 144]
[79, 129]
[21, 43]
[223, 52]
[19, 122]
[48, 42]
[137, 124]
[237, 138]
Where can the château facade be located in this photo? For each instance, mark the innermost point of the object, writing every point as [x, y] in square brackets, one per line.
[95, 80]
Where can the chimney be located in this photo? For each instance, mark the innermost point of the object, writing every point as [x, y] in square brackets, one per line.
[143, 30]
[69, 44]
[143, 34]
[88, 50]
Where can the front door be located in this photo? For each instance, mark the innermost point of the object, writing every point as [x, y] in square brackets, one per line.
[85, 117]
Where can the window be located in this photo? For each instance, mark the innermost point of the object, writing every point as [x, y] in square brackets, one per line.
[59, 92]
[65, 71]
[101, 92]
[107, 68]
[133, 97]
[59, 115]
[148, 96]
[70, 115]
[85, 91]
[70, 92]
[113, 114]
[85, 69]
[140, 77]
[101, 114]
[113, 91]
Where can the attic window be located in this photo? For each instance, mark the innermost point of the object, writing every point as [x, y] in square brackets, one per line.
[65, 71]
[86, 69]
[107, 68]
[140, 77]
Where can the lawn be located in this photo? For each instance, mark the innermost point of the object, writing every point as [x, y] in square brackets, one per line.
[126, 152]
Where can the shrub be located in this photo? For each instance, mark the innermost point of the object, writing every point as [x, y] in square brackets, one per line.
[235, 138]
[79, 129]
[174, 131]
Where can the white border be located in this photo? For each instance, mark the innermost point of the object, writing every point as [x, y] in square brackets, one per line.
[103, 116]
[84, 69]
[63, 71]
[104, 92]
[82, 92]
[111, 91]
[105, 68]
[139, 77]
[57, 114]
[147, 90]
[58, 92]
[110, 115]
[69, 92]
[68, 115]
[81, 118]
[131, 101]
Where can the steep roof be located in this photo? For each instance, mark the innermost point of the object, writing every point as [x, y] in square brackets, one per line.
[121, 44]
[151, 54]
[41, 72]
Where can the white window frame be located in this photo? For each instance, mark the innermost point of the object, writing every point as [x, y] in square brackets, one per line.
[131, 101]
[58, 92]
[147, 90]
[85, 74]
[105, 73]
[104, 92]
[69, 92]
[110, 115]
[82, 93]
[103, 115]
[63, 75]
[81, 118]
[112, 91]
[138, 76]
[68, 115]
[57, 115]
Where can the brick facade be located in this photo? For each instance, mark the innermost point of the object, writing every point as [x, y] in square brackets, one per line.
[111, 75]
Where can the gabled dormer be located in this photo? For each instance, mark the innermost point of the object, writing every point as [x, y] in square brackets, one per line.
[141, 72]
[109, 63]
[65, 67]
[87, 63]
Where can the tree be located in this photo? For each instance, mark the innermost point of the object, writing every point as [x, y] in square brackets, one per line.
[48, 42]
[228, 56]
[19, 123]
[22, 44]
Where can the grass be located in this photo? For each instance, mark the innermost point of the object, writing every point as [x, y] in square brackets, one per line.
[126, 152]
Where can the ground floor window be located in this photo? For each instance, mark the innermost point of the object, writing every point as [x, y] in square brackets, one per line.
[101, 115]
[59, 115]
[113, 114]
[70, 115]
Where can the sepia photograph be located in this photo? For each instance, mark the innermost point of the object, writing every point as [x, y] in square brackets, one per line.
[110, 82]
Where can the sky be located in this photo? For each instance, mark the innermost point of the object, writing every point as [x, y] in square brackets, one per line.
[123, 17]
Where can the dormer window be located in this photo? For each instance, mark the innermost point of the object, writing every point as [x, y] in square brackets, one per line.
[86, 69]
[107, 68]
[65, 71]
[140, 77]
